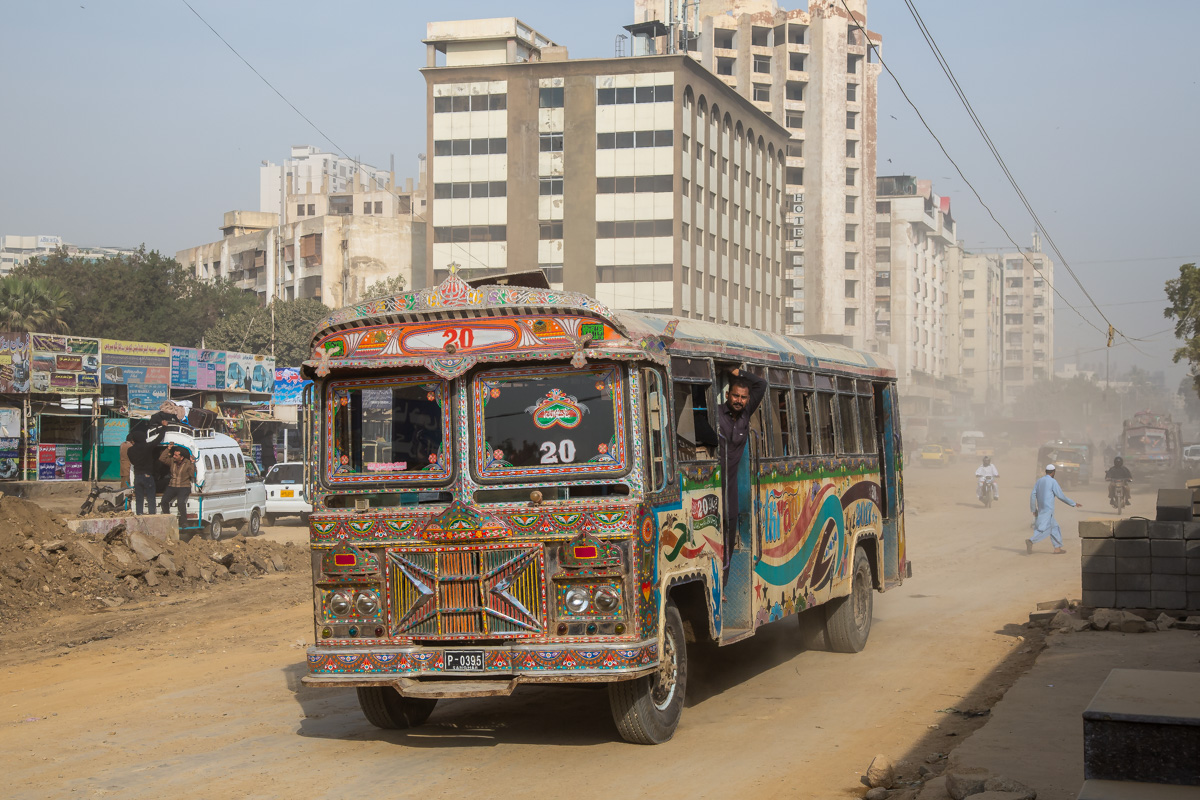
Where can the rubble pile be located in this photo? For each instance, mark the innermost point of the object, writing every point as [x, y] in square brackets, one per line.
[1062, 616]
[48, 570]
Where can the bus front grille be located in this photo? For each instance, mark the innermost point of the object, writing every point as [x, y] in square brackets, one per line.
[468, 592]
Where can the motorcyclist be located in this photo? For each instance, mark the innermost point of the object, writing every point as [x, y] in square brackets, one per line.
[1117, 472]
[986, 470]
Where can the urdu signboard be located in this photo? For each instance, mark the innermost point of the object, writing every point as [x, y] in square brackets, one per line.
[64, 364]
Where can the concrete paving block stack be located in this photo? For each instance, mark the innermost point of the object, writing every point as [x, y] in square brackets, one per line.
[1140, 563]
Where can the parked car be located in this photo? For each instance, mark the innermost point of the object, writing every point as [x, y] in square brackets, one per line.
[936, 455]
[230, 486]
[1191, 458]
[285, 492]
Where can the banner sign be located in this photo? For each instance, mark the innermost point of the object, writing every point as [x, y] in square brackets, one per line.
[289, 386]
[64, 364]
[145, 398]
[197, 369]
[14, 363]
[135, 362]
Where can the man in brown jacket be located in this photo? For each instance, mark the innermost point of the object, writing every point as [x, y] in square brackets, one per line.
[183, 472]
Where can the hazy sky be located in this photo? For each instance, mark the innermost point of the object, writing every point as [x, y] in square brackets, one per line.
[129, 122]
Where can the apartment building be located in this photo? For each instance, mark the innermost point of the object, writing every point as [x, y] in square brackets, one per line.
[17, 250]
[641, 180]
[1027, 319]
[980, 351]
[915, 252]
[327, 244]
[310, 168]
[813, 72]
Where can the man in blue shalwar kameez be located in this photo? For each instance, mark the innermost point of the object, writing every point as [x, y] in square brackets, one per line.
[1041, 503]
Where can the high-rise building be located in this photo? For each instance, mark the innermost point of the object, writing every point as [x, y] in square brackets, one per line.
[980, 345]
[1027, 321]
[814, 73]
[915, 251]
[309, 169]
[643, 180]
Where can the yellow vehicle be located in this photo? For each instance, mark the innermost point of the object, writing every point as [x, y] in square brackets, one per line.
[935, 455]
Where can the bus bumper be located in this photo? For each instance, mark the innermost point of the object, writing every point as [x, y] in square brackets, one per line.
[412, 669]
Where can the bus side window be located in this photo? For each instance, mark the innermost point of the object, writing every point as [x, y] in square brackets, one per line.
[803, 404]
[849, 423]
[866, 418]
[782, 438]
[207, 462]
[655, 403]
[823, 422]
[695, 436]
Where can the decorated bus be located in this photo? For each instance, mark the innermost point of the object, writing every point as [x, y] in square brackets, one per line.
[519, 485]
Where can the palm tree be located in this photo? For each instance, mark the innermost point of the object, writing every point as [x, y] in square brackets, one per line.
[33, 305]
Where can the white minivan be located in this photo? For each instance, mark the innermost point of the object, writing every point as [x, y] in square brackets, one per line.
[285, 492]
[228, 487]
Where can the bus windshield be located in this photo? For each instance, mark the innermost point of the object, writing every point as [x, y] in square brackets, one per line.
[543, 423]
[387, 430]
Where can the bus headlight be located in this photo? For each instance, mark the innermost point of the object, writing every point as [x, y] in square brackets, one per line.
[606, 601]
[577, 601]
[367, 603]
[340, 604]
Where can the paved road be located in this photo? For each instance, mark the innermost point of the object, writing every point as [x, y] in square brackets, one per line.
[202, 699]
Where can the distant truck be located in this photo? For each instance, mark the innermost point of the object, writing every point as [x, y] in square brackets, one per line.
[1151, 444]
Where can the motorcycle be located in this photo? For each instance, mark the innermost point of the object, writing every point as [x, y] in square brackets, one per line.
[987, 491]
[1118, 494]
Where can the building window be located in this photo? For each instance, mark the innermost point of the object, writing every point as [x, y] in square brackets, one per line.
[628, 94]
[850, 203]
[475, 102]
[851, 176]
[470, 233]
[367, 207]
[794, 90]
[641, 183]
[1014, 319]
[851, 233]
[378, 206]
[634, 274]
[968, 294]
[550, 230]
[794, 119]
[851, 288]
[550, 186]
[550, 142]
[968, 333]
[851, 120]
[968, 313]
[883, 230]
[968, 352]
[629, 229]
[300, 210]
[762, 64]
[851, 92]
[449, 191]
[312, 209]
[883, 280]
[762, 92]
[624, 139]
[550, 97]
[554, 272]
[851, 260]
[851, 148]
[470, 147]
[851, 316]
[968, 274]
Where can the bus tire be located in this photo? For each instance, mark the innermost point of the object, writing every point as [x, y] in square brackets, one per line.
[215, 526]
[386, 708]
[646, 710]
[848, 619]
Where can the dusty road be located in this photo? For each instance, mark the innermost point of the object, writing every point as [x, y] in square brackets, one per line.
[201, 698]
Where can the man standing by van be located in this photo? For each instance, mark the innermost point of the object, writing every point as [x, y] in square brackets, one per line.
[141, 458]
[183, 472]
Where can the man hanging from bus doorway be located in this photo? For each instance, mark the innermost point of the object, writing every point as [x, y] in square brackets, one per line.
[742, 398]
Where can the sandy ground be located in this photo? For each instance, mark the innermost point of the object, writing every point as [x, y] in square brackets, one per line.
[202, 698]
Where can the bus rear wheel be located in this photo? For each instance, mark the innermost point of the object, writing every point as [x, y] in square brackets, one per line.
[386, 708]
[647, 709]
[848, 619]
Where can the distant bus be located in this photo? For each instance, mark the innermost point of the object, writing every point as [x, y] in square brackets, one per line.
[510, 485]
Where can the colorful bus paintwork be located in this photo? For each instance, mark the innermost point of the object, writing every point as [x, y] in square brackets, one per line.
[509, 486]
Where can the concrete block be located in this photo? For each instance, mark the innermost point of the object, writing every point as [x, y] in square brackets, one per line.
[1099, 598]
[1166, 530]
[1096, 528]
[1168, 583]
[1192, 583]
[1128, 599]
[1193, 601]
[1101, 563]
[1191, 549]
[1191, 530]
[1099, 547]
[1136, 582]
[1193, 566]
[1169, 600]
[1131, 548]
[1132, 566]
[1168, 566]
[1130, 529]
[1144, 725]
[1099, 581]
[164, 527]
[1167, 548]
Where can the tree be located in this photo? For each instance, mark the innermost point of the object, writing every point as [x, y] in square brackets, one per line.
[249, 330]
[1184, 295]
[33, 305]
[384, 288]
[144, 296]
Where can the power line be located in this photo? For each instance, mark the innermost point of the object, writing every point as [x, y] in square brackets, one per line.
[958, 90]
[314, 125]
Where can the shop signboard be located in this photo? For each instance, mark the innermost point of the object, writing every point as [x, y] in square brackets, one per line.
[10, 458]
[239, 367]
[146, 398]
[135, 362]
[197, 369]
[14, 363]
[289, 386]
[64, 364]
[47, 456]
[262, 377]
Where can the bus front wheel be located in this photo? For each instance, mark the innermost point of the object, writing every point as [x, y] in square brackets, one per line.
[386, 708]
[647, 709]
[848, 619]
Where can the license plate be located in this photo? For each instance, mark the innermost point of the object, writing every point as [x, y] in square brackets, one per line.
[464, 660]
[287, 493]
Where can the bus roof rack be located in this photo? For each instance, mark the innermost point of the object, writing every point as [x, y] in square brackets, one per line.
[195, 433]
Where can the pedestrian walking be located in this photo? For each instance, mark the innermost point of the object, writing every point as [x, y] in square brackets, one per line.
[1041, 503]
